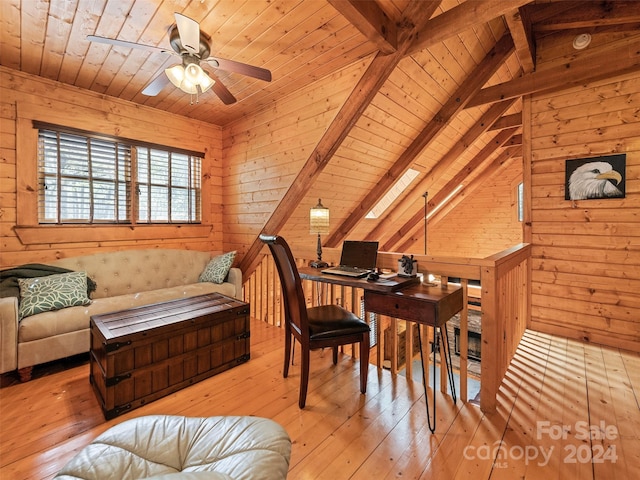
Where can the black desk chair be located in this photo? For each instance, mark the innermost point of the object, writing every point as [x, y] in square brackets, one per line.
[314, 327]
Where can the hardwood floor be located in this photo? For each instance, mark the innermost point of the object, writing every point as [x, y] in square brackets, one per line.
[552, 382]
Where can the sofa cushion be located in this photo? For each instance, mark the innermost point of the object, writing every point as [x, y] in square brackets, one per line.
[217, 268]
[54, 292]
[132, 271]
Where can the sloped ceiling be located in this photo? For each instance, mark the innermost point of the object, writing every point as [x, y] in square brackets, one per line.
[438, 88]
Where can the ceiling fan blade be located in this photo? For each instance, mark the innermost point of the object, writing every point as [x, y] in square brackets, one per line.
[242, 68]
[189, 31]
[221, 91]
[123, 43]
[155, 86]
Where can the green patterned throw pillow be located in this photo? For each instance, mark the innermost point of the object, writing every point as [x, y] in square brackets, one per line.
[52, 292]
[218, 267]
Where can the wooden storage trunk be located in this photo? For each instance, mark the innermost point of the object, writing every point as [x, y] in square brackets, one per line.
[141, 354]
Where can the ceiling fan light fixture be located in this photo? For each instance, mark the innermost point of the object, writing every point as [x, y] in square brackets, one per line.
[206, 82]
[175, 74]
[188, 87]
[189, 78]
[193, 72]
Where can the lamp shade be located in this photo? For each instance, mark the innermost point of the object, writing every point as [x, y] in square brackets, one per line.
[189, 78]
[319, 219]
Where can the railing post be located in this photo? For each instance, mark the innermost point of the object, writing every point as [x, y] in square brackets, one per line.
[490, 340]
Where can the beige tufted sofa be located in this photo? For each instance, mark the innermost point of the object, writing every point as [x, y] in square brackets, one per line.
[124, 279]
[163, 447]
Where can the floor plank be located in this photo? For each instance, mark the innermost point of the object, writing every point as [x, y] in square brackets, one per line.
[342, 434]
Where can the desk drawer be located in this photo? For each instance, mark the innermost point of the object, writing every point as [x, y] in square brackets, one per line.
[405, 308]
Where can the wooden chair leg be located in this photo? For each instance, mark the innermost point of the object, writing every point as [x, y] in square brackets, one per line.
[304, 376]
[335, 355]
[364, 362]
[287, 354]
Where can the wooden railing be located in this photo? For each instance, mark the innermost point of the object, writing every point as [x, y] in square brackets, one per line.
[504, 306]
[505, 280]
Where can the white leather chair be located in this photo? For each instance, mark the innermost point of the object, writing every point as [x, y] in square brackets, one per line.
[165, 447]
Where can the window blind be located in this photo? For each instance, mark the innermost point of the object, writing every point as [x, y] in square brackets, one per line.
[88, 179]
[83, 180]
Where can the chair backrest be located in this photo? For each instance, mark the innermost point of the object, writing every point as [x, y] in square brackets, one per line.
[294, 301]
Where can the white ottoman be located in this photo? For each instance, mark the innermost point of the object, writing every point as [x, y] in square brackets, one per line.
[164, 447]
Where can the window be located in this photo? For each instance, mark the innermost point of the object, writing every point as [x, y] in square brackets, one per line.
[168, 186]
[88, 179]
[396, 190]
[520, 202]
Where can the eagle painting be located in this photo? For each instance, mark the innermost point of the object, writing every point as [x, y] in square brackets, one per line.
[594, 180]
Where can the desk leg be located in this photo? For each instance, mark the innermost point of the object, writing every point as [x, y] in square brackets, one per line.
[445, 353]
[425, 361]
[379, 346]
[444, 366]
[425, 382]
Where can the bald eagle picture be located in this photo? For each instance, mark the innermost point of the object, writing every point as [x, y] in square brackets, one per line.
[599, 178]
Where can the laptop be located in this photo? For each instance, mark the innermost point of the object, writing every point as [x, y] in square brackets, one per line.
[357, 260]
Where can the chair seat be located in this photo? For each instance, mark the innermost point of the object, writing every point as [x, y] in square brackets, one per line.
[326, 321]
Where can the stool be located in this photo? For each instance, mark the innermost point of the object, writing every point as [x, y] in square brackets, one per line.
[166, 447]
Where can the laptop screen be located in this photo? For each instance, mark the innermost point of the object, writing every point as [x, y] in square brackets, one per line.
[359, 254]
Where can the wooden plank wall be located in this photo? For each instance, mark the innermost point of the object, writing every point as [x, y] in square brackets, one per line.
[484, 223]
[586, 254]
[264, 153]
[24, 98]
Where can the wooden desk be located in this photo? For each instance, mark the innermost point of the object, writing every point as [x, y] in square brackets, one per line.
[407, 299]
[381, 285]
[428, 305]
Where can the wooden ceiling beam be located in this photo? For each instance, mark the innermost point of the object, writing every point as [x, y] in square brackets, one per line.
[366, 89]
[506, 121]
[515, 140]
[501, 161]
[586, 67]
[474, 82]
[372, 21]
[418, 218]
[461, 18]
[522, 34]
[541, 12]
[409, 199]
[593, 14]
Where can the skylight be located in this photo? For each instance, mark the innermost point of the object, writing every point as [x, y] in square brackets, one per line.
[400, 186]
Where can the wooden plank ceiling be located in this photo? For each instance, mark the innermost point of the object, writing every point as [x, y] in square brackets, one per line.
[439, 89]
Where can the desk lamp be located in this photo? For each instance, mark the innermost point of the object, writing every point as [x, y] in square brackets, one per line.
[319, 224]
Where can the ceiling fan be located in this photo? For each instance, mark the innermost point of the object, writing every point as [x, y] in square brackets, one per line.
[194, 47]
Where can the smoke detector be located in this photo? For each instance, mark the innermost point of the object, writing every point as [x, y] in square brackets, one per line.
[581, 41]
